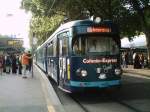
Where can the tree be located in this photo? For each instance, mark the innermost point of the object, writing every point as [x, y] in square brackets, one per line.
[141, 9]
[4, 36]
[43, 26]
[132, 16]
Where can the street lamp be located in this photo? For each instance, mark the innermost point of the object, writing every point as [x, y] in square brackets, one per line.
[34, 42]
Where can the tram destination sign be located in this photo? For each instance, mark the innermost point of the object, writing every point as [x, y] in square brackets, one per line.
[98, 29]
[95, 29]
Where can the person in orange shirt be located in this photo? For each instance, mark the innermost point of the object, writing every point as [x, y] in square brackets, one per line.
[25, 62]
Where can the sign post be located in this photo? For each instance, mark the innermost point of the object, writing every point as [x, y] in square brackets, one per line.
[32, 55]
[34, 41]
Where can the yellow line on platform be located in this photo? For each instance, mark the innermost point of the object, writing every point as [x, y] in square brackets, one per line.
[51, 108]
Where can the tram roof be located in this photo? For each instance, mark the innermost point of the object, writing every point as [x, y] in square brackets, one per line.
[74, 23]
[83, 23]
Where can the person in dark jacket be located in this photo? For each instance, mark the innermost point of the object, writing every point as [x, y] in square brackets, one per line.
[8, 64]
[19, 64]
[1, 65]
[30, 61]
[4, 68]
[14, 65]
[137, 62]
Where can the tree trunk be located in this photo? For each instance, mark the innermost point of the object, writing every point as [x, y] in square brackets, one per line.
[147, 33]
[144, 25]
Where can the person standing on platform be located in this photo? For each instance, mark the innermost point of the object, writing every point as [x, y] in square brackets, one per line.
[30, 61]
[124, 60]
[19, 58]
[25, 63]
[137, 61]
[1, 65]
[141, 57]
[14, 64]
[4, 68]
[8, 64]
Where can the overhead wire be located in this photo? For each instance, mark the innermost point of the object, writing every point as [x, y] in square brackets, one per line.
[51, 6]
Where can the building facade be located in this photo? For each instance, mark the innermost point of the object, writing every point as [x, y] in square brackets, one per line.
[11, 45]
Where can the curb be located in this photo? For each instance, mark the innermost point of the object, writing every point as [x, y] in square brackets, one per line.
[136, 73]
[53, 102]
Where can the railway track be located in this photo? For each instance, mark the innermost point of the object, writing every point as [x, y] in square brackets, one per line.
[83, 100]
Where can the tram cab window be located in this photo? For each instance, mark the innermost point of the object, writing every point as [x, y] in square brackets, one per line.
[95, 45]
[102, 45]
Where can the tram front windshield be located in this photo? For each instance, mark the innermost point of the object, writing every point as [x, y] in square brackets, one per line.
[95, 45]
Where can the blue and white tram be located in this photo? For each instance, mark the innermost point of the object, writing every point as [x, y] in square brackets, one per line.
[82, 54]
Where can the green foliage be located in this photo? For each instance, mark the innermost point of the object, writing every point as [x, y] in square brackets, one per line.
[4, 36]
[44, 26]
[42, 23]
[37, 7]
[132, 16]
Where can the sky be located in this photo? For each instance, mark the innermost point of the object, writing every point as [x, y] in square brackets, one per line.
[138, 41]
[14, 21]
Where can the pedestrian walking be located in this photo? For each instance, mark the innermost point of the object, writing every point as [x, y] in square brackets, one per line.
[25, 63]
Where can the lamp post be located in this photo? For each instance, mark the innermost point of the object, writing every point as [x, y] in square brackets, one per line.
[34, 42]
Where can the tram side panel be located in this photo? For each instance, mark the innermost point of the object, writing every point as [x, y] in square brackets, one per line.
[41, 59]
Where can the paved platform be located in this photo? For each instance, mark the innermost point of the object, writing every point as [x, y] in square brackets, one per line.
[143, 71]
[36, 94]
[28, 95]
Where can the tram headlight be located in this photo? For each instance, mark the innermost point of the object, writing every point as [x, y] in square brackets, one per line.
[97, 20]
[118, 71]
[83, 73]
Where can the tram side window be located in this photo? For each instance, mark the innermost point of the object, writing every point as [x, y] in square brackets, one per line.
[55, 47]
[76, 46]
[63, 44]
[79, 46]
[41, 55]
[50, 49]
